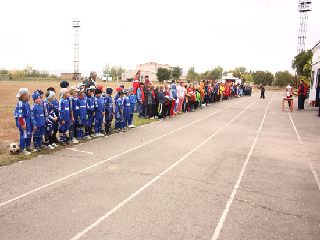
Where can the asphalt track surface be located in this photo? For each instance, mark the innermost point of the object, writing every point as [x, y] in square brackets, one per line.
[239, 169]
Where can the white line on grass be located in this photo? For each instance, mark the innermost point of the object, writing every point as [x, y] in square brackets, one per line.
[236, 186]
[305, 150]
[79, 235]
[107, 160]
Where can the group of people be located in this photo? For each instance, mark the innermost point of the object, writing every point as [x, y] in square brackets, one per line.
[171, 99]
[82, 110]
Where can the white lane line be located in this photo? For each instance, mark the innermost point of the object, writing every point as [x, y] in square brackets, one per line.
[76, 150]
[236, 186]
[306, 152]
[104, 161]
[79, 235]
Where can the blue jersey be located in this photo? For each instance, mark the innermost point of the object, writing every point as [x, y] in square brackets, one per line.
[49, 111]
[90, 105]
[133, 98]
[64, 110]
[119, 107]
[98, 107]
[37, 115]
[126, 102]
[82, 105]
[74, 107]
[23, 111]
[108, 102]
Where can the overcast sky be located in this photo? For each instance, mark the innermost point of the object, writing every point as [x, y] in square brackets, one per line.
[256, 34]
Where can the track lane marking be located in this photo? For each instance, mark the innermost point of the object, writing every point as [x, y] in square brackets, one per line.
[236, 186]
[305, 151]
[118, 155]
[82, 233]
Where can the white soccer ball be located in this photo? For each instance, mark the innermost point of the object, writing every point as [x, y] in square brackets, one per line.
[14, 148]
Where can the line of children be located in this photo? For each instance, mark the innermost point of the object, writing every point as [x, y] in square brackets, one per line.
[79, 109]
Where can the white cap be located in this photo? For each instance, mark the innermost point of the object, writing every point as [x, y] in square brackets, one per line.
[63, 91]
[22, 91]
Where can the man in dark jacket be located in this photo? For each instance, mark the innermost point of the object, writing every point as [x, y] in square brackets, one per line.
[302, 94]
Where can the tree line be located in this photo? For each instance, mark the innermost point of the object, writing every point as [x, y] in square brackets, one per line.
[302, 64]
[27, 72]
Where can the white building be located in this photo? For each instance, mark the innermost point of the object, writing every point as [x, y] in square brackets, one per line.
[315, 75]
[148, 69]
[229, 78]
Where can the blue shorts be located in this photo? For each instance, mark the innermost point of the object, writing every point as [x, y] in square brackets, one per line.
[118, 115]
[89, 120]
[64, 127]
[39, 132]
[132, 105]
[98, 121]
[25, 133]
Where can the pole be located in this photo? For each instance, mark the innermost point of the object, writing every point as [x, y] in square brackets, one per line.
[117, 80]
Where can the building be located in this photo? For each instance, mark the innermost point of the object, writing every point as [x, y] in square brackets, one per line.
[315, 75]
[229, 78]
[71, 76]
[148, 69]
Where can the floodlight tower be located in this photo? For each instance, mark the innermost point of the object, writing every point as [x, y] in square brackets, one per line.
[304, 8]
[76, 26]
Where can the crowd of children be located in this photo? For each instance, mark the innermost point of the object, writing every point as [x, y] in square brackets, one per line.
[82, 110]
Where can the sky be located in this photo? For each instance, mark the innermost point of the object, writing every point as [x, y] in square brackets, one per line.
[256, 34]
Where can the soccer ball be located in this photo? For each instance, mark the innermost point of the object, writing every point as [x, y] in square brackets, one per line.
[14, 148]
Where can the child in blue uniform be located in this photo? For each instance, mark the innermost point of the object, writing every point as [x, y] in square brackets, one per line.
[133, 101]
[23, 120]
[126, 109]
[50, 117]
[75, 112]
[108, 102]
[90, 112]
[38, 121]
[82, 113]
[55, 104]
[99, 110]
[64, 115]
[119, 107]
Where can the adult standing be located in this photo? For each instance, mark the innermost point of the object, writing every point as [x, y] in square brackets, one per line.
[91, 81]
[136, 82]
[262, 90]
[302, 94]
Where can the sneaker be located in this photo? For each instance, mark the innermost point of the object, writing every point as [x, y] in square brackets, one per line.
[31, 149]
[42, 147]
[100, 135]
[25, 152]
[54, 145]
[152, 118]
[88, 137]
[50, 147]
[74, 141]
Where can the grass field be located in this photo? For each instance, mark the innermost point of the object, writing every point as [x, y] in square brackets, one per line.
[9, 132]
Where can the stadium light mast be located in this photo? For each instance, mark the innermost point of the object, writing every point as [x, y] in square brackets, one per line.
[76, 26]
[304, 7]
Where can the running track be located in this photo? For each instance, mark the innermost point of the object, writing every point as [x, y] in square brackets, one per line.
[240, 169]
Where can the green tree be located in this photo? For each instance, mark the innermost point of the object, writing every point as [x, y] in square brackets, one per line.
[302, 63]
[176, 72]
[264, 77]
[238, 71]
[282, 78]
[163, 74]
[216, 73]
[106, 69]
[192, 74]
[114, 71]
[120, 70]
